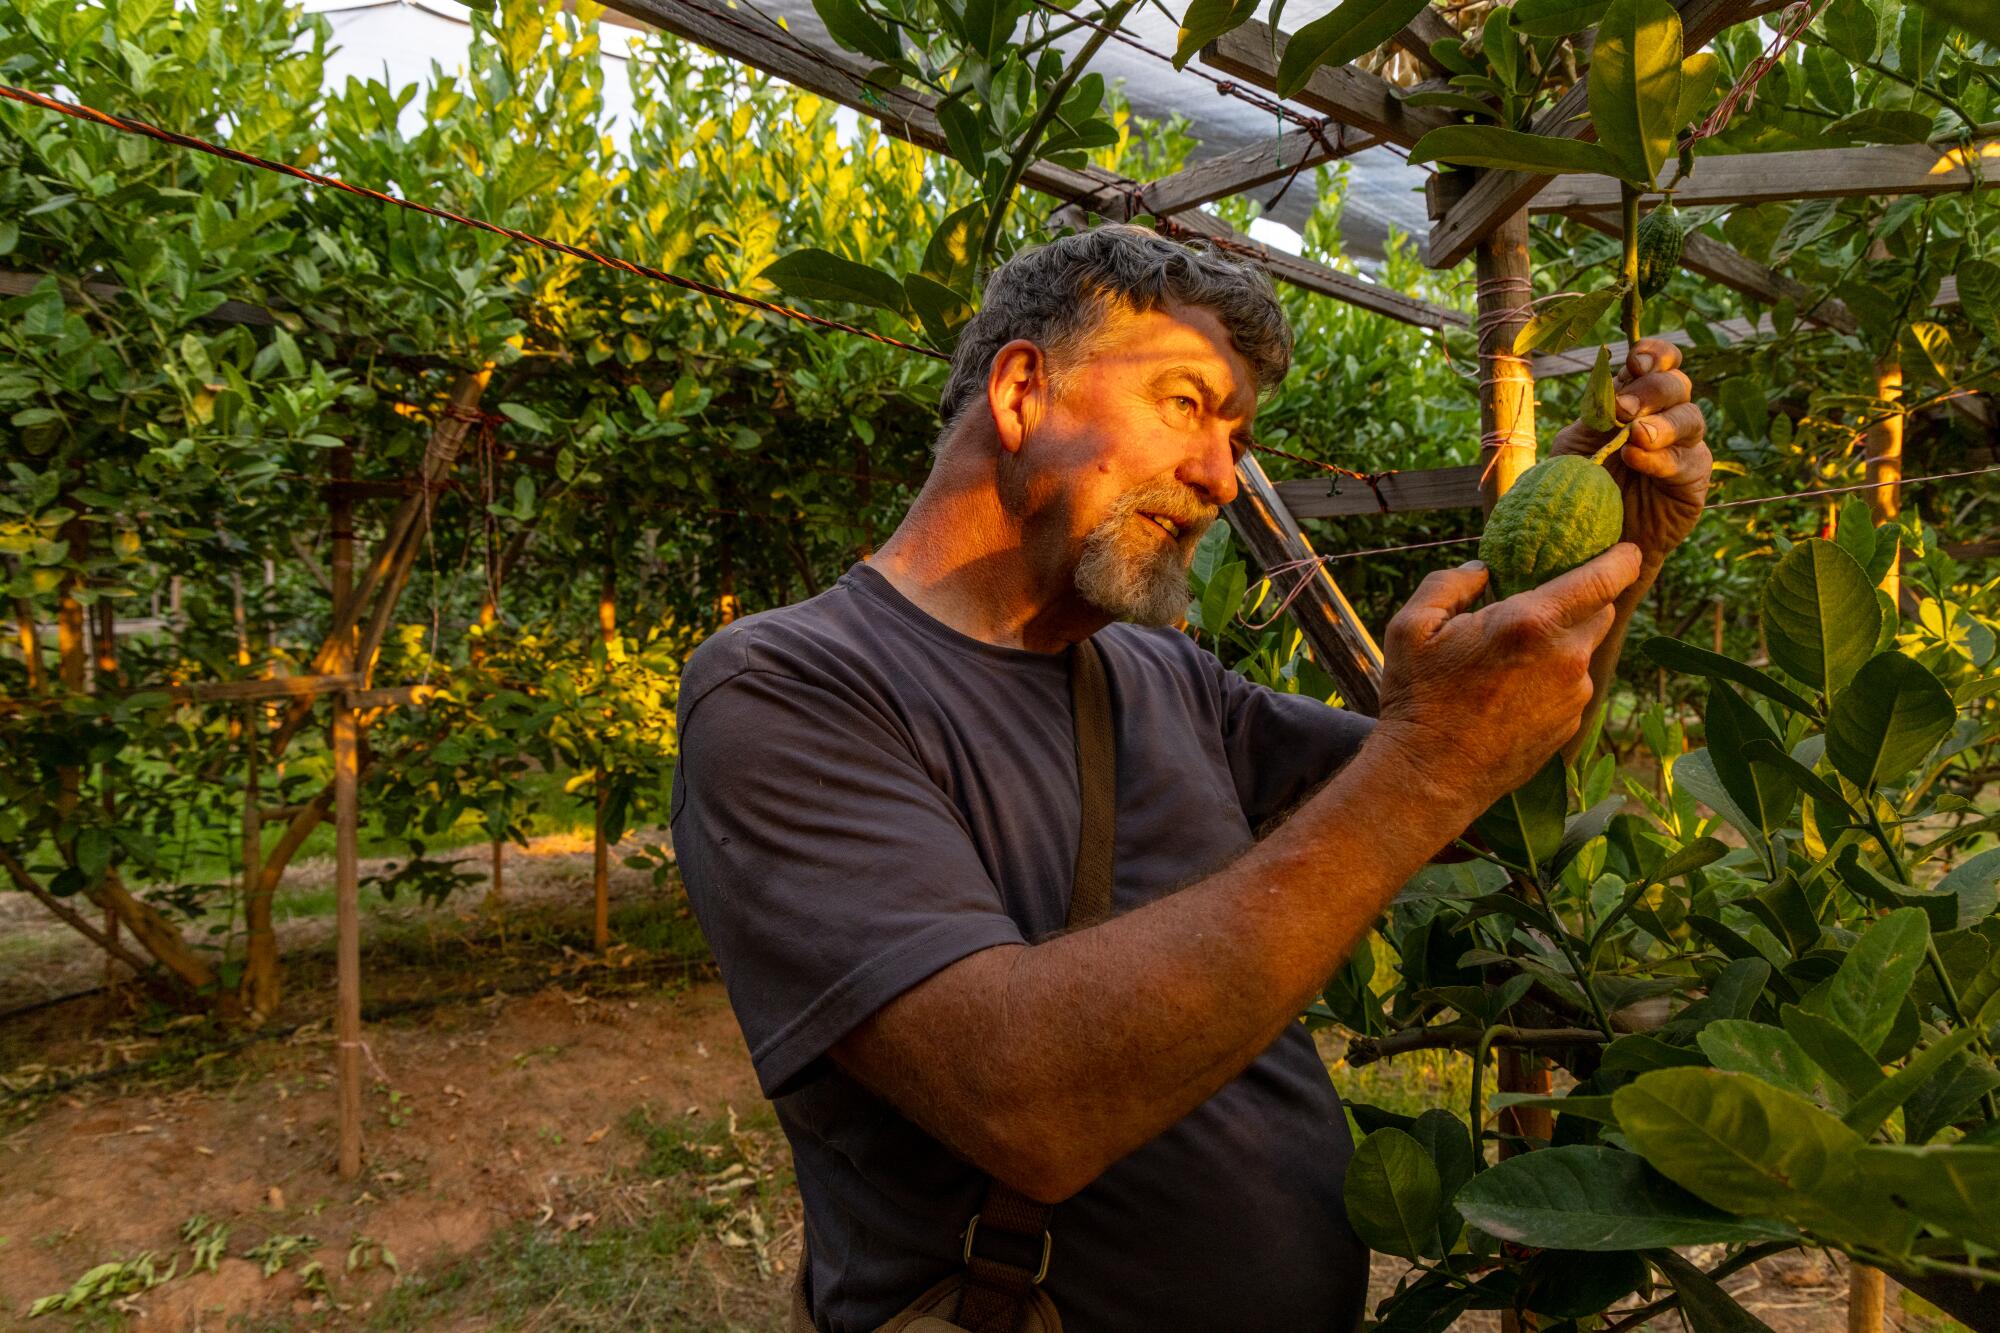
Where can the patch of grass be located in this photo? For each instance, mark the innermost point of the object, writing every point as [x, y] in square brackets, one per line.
[654, 1272]
[1409, 1084]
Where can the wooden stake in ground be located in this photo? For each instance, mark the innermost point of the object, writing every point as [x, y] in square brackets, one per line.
[347, 949]
[600, 847]
[1866, 1295]
[1506, 383]
[1885, 459]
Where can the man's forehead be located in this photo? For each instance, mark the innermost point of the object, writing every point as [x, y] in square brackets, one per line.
[1153, 342]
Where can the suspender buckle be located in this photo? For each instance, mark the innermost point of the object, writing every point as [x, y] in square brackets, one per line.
[1048, 1245]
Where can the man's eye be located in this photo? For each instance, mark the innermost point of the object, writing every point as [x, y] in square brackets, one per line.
[1184, 405]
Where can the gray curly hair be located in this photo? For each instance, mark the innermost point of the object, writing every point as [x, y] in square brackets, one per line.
[1060, 296]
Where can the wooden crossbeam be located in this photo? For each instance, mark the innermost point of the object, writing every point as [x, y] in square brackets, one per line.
[1231, 173]
[1419, 33]
[1349, 94]
[1400, 493]
[1497, 195]
[1813, 173]
[1740, 273]
[908, 115]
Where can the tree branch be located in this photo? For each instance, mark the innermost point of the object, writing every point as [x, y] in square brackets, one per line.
[1367, 1050]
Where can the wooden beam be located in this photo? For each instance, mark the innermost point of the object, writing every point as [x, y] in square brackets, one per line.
[1497, 195]
[1401, 493]
[1419, 33]
[1340, 642]
[1351, 96]
[1232, 172]
[1813, 173]
[908, 115]
[1738, 272]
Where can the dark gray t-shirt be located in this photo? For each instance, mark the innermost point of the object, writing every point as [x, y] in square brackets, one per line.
[865, 796]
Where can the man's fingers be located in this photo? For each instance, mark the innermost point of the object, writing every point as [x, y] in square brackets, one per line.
[1651, 355]
[1586, 590]
[1443, 594]
[1653, 393]
[1680, 424]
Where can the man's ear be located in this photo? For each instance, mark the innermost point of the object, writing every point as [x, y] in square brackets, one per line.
[1014, 389]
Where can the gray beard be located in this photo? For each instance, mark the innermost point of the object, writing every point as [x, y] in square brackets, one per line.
[1127, 572]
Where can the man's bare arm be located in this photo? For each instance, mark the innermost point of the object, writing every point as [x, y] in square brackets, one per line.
[1044, 1064]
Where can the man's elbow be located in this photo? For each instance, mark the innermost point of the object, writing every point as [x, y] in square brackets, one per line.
[1030, 1159]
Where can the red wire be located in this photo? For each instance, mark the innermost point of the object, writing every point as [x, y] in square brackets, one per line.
[140, 127]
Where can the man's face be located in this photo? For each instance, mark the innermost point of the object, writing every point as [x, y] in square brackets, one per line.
[1127, 467]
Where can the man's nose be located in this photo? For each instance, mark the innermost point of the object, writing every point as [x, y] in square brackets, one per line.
[1212, 472]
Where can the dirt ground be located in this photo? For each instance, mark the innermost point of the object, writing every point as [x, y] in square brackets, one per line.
[569, 1144]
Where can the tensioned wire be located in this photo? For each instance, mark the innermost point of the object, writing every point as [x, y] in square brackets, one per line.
[129, 125]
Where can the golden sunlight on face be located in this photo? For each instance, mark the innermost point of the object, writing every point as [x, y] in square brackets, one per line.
[1159, 415]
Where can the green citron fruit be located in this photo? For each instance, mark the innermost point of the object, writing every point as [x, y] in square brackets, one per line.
[1662, 237]
[1558, 514]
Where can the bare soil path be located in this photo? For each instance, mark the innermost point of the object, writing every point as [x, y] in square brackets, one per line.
[569, 1145]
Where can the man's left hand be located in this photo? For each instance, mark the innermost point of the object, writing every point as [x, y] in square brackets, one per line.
[1663, 469]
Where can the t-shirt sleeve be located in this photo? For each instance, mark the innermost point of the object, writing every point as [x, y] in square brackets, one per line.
[1282, 746]
[829, 872]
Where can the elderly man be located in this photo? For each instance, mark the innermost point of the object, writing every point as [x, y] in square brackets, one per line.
[879, 812]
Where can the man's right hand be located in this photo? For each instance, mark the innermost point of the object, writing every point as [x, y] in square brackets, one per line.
[1481, 698]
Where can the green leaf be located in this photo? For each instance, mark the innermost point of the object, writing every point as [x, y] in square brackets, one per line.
[1820, 615]
[1701, 75]
[952, 257]
[1979, 295]
[1772, 1054]
[10, 236]
[1635, 85]
[1557, 18]
[1950, 1186]
[1977, 17]
[1352, 30]
[1863, 995]
[850, 24]
[1869, 1110]
[1526, 825]
[1511, 150]
[1206, 20]
[1706, 1306]
[1600, 397]
[1584, 1107]
[1501, 47]
[1752, 1149]
[1597, 1199]
[1854, 531]
[1851, 29]
[1695, 773]
[1974, 883]
[1765, 793]
[942, 311]
[1223, 598]
[1875, 124]
[1394, 1198]
[1851, 1072]
[816, 275]
[522, 415]
[1887, 719]
[1561, 324]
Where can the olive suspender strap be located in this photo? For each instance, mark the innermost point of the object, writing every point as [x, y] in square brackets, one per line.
[1007, 1243]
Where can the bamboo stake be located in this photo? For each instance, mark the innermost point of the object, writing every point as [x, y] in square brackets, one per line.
[600, 849]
